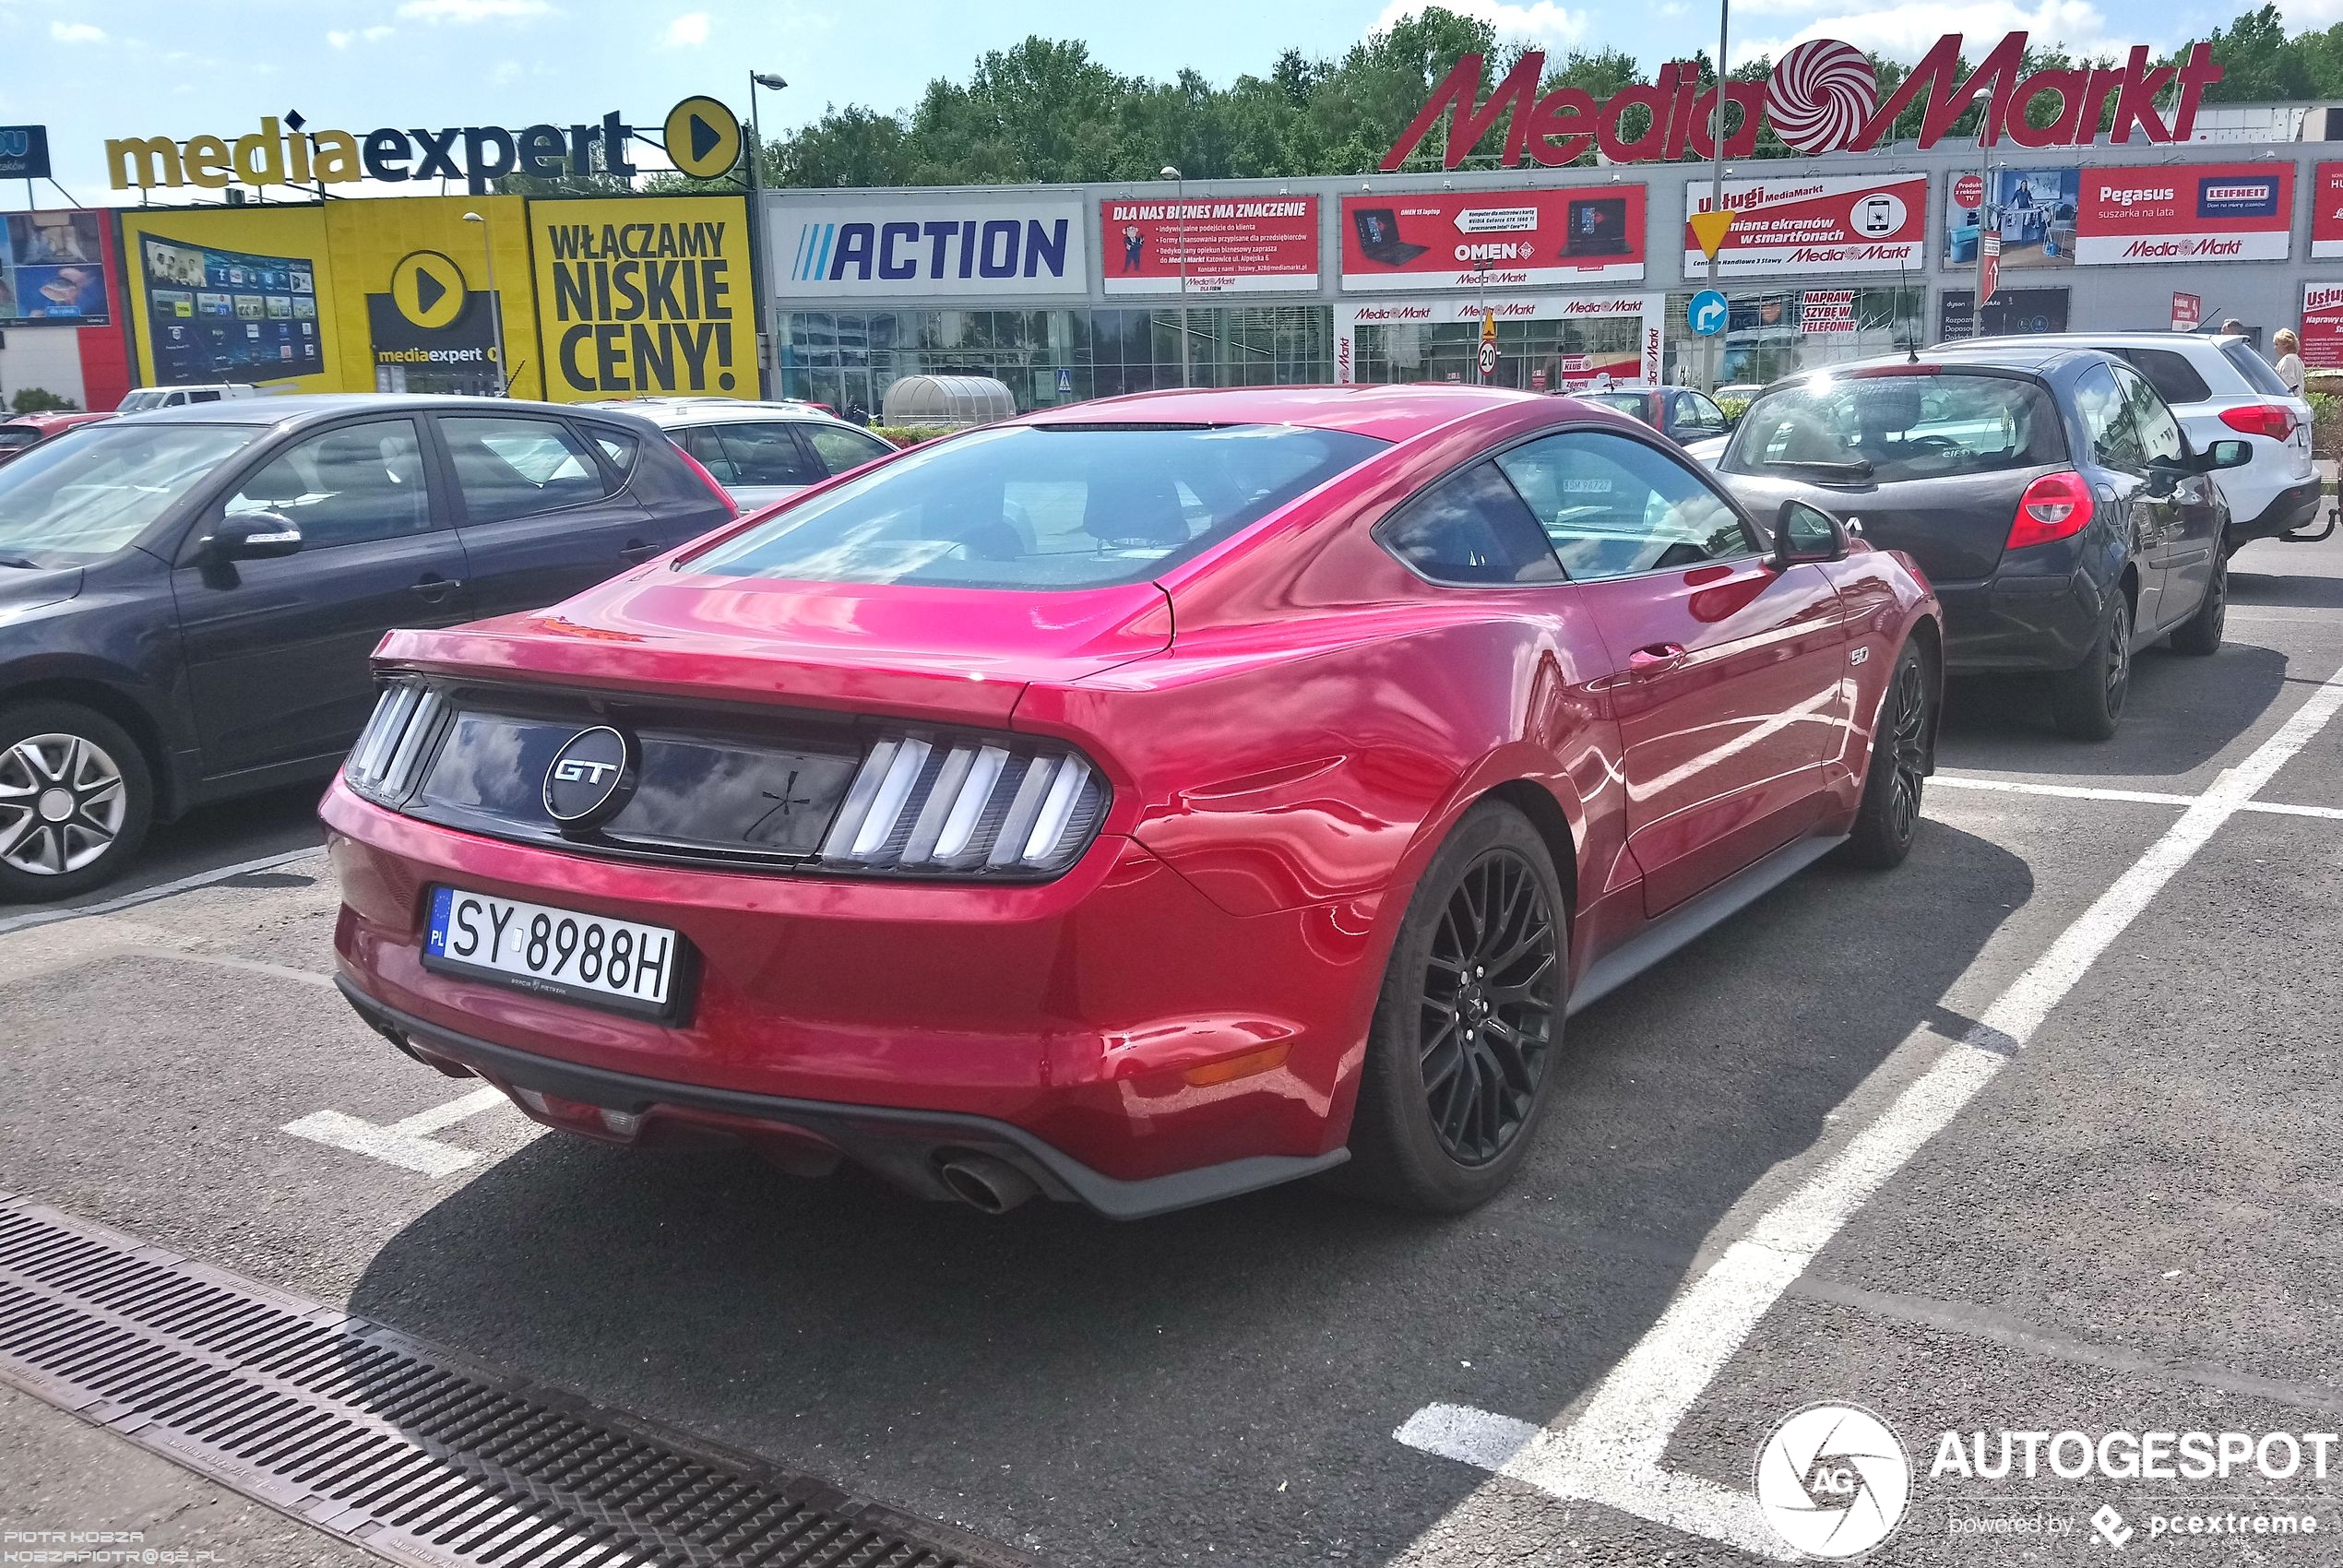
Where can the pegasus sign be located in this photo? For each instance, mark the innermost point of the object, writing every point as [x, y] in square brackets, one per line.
[1823, 96]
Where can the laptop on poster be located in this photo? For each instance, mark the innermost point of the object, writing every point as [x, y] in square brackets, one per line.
[1378, 232]
[1597, 226]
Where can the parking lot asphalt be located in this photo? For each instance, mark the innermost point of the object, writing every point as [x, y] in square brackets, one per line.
[2115, 1205]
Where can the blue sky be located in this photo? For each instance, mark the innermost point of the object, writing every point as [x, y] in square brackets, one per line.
[183, 68]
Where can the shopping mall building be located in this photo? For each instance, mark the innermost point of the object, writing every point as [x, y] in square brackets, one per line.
[1068, 292]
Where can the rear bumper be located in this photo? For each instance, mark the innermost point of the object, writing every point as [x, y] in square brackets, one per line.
[2019, 623]
[1111, 1029]
[2290, 509]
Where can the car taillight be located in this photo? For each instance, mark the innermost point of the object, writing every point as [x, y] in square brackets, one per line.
[731, 507]
[2273, 420]
[2055, 506]
[945, 805]
[389, 753]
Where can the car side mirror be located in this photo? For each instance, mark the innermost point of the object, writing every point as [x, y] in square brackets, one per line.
[1804, 532]
[254, 536]
[2224, 454]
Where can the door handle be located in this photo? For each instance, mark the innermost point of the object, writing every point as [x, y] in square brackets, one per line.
[635, 551]
[1653, 658]
[433, 588]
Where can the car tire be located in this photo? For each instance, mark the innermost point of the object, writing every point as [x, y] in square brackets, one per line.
[1888, 818]
[1448, 1105]
[76, 801]
[2087, 701]
[2201, 632]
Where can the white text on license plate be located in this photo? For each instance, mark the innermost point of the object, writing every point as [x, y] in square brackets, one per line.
[556, 951]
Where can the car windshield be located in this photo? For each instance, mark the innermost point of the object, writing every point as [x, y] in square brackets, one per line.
[1042, 506]
[18, 436]
[1880, 429]
[89, 493]
[145, 399]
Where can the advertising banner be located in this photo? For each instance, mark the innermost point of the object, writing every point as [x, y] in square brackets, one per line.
[2009, 311]
[24, 152]
[2188, 311]
[53, 268]
[915, 247]
[2326, 212]
[1815, 224]
[2323, 326]
[412, 307]
[1526, 239]
[647, 296]
[2184, 212]
[1231, 245]
[1827, 313]
[233, 295]
[2032, 211]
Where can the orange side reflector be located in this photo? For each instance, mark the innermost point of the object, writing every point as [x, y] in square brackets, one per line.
[1232, 1067]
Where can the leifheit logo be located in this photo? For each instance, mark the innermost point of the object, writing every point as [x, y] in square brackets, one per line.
[286, 152]
[1823, 96]
[2133, 195]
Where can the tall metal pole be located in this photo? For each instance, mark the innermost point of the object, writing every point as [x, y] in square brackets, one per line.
[1984, 216]
[495, 305]
[757, 316]
[1717, 189]
[1180, 204]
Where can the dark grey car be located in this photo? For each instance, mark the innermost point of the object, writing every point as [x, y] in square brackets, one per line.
[2049, 495]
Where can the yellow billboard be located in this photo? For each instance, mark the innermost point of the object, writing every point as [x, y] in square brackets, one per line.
[643, 297]
[413, 290]
[233, 294]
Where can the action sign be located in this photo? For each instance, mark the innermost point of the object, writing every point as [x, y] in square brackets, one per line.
[1502, 239]
[24, 152]
[1833, 223]
[2184, 212]
[1232, 245]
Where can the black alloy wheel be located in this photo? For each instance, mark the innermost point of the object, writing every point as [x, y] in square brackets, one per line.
[1485, 1018]
[1908, 748]
[2201, 634]
[2088, 700]
[1888, 817]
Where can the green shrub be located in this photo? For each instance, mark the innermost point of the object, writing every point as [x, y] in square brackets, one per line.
[40, 400]
[908, 435]
[2326, 423]
[1732, 407]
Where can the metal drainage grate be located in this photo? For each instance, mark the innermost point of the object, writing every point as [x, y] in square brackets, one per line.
[393, 1445]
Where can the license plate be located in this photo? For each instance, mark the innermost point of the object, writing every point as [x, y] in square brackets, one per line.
[589, 958]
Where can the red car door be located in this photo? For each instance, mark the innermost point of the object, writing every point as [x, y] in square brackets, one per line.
[1729, 680]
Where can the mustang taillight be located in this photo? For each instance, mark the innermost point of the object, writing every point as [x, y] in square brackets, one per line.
[2055, 506]
[389, 753]
[947, 805]
[2273, 420]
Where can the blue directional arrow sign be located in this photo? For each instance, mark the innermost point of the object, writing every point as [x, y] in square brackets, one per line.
[1706, 313]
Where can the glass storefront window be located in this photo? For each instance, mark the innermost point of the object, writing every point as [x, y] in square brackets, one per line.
[1768, 337]
[1533, 356]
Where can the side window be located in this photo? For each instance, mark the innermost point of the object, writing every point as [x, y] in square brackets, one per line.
[842, 449]
[707, 448]
[765, 454]
[515, 467]
[1614, 506]
[2170, 372]
[1709, 416]
[203, 397]
[1470, 528]
[2107, 421]
[617, 446]
[350, 484]
[2160, 438]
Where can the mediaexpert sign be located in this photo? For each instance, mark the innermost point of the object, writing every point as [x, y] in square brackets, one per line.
[824, 248]
[2323, 326]
[1230, 244]
[2153, 212]
[2326, 212]
[645, 296]
[1498, 239]
[1816, 223]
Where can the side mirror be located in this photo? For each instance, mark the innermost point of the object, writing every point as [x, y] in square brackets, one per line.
[2224, 455]
[1804, 532]
[254, 536]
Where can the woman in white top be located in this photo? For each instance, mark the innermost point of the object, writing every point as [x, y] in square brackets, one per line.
[2290, 358]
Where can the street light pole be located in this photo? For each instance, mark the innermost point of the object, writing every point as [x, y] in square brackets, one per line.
[495, 305]
[1717, 188]
[756, 225]
[1180, 205]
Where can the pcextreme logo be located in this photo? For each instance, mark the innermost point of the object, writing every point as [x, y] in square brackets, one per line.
[286, 152]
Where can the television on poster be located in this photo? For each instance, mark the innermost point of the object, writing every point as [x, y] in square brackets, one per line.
[2033, 210]
[1810, 223]
[1511, 238]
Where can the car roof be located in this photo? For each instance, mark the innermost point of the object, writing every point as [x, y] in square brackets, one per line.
[2129, 339]
[310, 408]
[1386, 412]
[2027, 356]
[667, 412]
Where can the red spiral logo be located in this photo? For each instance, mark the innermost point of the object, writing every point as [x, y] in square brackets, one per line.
[1820, 95]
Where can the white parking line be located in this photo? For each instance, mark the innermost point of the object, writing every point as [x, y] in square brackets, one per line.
[405, 1143]
[163, 890]
[2144, 797]
[1612, 1452]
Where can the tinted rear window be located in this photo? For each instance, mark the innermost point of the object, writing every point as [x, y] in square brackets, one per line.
[1042, 506]
[2170, 372]
[2254, 368]
[1885, 428]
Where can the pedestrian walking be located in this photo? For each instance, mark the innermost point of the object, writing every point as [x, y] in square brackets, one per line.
[2290, 358]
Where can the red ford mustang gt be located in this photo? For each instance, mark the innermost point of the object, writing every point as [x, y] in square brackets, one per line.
[1134, 803]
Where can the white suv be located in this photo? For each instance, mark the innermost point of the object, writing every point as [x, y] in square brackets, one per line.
[2220, 389]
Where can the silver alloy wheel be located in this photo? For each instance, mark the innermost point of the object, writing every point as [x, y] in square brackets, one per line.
[62, 803]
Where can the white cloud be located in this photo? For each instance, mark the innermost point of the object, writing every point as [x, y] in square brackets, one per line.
[377, 33]
[77, 32]
[507, 71]
[1540, 21]
[342, 39]
[474, 10]
[687, 31]
[2302, 14]
[338, 38]
[1904, 32]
